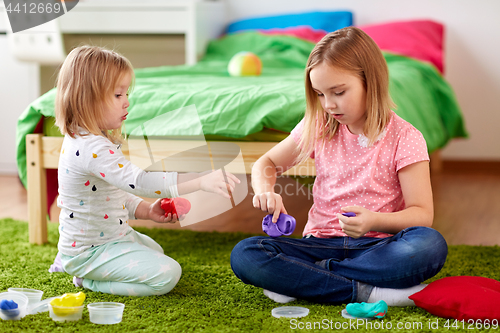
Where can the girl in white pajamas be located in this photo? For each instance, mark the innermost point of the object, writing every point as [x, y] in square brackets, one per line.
[99, 188]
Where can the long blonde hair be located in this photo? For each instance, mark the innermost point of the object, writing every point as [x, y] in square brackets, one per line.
[352, 50]
[85, 85]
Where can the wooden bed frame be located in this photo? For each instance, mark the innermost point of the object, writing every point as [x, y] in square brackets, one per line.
[42, 152]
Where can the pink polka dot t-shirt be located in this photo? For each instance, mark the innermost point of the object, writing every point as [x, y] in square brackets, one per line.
[348, 173]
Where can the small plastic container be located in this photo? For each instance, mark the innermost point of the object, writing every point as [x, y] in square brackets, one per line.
[65, 313]
[106, 313]
[290, 312]
[34, 295]
[22, 305]
[42, 306]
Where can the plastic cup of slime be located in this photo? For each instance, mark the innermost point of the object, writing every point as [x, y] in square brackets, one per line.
[106, 313]
[17, 313]
[65, 313]
[34, 295]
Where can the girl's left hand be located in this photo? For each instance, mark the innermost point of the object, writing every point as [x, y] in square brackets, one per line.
[157, 214]
[358, 225]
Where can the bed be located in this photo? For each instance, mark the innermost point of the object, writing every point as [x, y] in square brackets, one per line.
[207, 119]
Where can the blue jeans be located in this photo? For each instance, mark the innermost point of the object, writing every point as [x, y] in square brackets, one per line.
[340, 269]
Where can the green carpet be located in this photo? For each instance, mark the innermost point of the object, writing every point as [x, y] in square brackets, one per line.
[208, 298]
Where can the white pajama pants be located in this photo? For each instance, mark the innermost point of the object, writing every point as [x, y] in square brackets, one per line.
[134, 266]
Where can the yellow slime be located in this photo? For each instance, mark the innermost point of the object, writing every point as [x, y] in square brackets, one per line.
[65, 305]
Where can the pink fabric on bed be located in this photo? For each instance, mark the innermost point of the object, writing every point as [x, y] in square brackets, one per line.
[303, 32]
[421, 39]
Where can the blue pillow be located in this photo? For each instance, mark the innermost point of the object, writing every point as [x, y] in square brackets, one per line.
[327, 21]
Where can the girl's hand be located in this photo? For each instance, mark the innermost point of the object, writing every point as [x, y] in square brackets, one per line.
[271, 203]
[358, 225]
[219, 182]
[157, 214]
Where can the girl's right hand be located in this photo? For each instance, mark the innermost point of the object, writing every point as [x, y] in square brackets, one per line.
[271, 203]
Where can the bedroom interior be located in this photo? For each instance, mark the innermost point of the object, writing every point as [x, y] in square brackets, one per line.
[246, 112]
[170, 50]
[465, 161]
[147, 50]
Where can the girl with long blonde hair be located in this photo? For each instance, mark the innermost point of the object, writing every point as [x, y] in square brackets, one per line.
[371, 164]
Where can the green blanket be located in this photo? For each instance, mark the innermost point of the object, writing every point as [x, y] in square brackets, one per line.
[235, 107]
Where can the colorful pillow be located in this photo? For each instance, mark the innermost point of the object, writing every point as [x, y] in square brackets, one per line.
[461, 297]
[327, 21]
[421, 39]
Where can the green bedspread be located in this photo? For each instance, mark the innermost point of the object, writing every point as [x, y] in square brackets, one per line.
[236, 107]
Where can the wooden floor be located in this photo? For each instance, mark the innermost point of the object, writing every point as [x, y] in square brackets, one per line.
[467, 209]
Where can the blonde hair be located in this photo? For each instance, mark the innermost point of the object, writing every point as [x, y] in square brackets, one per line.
[85, 85]
[352, 50]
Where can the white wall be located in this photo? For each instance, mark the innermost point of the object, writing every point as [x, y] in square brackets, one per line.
[472, 54]
[18, 85]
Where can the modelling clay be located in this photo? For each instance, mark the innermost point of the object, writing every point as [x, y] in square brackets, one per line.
[349, 214]
[283, 227]
[64, 305]
[367, 310]
[7, 306]
[177, 206]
